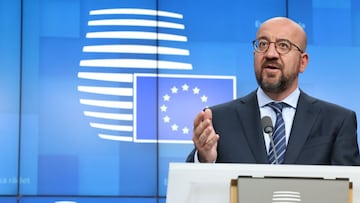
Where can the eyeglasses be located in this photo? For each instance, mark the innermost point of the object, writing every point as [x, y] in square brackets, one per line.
[282, 46]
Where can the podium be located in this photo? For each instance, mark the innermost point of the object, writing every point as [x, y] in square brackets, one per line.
[213, 183]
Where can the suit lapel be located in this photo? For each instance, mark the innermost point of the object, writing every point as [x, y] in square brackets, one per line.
[305, 117]
[249, 118]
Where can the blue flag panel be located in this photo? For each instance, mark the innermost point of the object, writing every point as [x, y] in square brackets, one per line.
[175, 100]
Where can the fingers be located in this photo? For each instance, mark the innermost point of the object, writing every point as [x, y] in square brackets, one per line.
[204, 133]
[202, 121]
[198, 119]
[207, 137]
[202, 116]
[207, 114]
[210, 136]
[204, 137]
[211, 140]
[207, 150]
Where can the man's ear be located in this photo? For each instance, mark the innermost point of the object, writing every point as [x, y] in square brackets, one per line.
[304, 60]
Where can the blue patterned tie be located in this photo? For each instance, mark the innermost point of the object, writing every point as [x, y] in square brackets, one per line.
[278, 135]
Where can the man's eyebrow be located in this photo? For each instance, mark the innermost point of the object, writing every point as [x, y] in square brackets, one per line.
[262, 37]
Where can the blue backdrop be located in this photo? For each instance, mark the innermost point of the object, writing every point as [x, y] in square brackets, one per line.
[98, 96]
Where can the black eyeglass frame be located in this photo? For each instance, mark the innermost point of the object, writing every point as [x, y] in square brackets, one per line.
[279, 40]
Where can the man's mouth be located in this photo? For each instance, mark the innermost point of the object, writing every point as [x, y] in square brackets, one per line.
[271, 66]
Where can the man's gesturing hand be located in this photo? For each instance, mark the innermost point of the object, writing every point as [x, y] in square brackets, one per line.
[204, 137]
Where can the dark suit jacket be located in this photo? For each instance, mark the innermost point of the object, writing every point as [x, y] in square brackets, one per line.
[322, 133]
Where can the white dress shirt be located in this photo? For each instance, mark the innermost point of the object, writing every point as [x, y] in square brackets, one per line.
[288, 112]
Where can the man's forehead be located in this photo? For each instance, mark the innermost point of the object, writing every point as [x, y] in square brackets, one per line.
[273, 34]
[278, 29]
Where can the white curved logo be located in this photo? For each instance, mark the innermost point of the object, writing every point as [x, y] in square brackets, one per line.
[286, 196]
[123, 52]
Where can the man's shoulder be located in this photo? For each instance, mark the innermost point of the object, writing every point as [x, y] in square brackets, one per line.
[323, 104]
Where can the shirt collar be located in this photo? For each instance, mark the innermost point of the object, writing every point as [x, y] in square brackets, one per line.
[291, 100]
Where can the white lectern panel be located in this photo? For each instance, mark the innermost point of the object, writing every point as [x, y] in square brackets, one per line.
[210, 183]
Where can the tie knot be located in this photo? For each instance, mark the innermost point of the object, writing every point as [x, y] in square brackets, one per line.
[277, 107]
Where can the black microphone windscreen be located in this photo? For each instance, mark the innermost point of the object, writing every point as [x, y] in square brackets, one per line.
[267, 124]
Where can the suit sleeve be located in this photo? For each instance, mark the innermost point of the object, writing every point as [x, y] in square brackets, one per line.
[191, 156]
[345, 150]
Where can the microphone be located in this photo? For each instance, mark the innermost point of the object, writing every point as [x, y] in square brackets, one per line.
[267, 124]
[268, 129]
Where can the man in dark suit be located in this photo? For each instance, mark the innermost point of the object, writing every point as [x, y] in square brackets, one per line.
[314, 131]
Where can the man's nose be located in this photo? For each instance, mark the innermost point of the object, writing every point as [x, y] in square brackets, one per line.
[272, 52]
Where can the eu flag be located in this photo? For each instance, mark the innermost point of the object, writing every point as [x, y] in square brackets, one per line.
[175, 100]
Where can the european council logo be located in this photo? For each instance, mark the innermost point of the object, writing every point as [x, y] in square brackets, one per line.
[121, 89]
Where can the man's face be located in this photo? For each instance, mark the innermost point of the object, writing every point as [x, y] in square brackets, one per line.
[276, 72]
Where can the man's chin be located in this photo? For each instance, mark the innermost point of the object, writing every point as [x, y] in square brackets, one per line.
[270, 82]
[271, 87]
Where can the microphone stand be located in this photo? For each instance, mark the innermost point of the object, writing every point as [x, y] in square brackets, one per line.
[273, 146]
